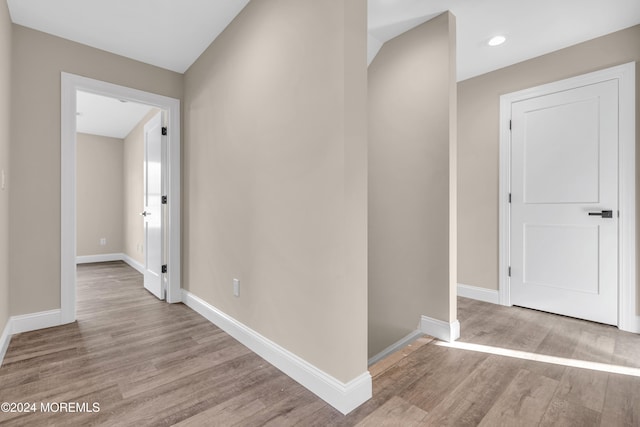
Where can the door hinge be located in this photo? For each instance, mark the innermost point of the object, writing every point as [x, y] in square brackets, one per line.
[164, 200]
[509, 125]
[164, 268]
[509, 271]
[509, 197]
[164, 130]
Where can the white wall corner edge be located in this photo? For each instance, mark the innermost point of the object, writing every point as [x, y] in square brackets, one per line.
[401, 343]
[345, 397]
[444, 331]
[35, 321]
[478, 293]
[5, 339]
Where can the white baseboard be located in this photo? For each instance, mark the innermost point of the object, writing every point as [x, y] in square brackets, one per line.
[633, 327]
[439, 329]
[133, 263]
[35, 321]
[5, 339]
[86, 259]
[401, 343]
[478, 293]
[343, 396]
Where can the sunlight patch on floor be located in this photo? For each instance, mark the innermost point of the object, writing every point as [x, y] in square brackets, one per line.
[574, 363]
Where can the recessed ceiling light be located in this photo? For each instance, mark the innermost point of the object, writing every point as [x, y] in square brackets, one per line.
[496, 40]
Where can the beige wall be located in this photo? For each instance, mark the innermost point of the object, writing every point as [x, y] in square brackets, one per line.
[478, 146]
[34, 236]
[133, 188]
[5, 103]
[99, 192]
[275, 177]
[411, 196]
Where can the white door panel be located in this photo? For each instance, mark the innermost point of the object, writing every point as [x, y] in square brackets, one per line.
[561, 154]
[565, 165]
[572, 265]
[153, 206]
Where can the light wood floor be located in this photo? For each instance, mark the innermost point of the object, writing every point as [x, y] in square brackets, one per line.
[150, 363]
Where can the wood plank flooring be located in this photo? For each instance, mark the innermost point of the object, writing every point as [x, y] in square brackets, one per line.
[150, 363]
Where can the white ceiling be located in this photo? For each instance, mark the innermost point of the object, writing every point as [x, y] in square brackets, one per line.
[173, 33]
[532, 28]
[101, 115]
[170, 34]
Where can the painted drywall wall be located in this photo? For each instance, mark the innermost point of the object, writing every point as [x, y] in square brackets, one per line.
[99, 194]
[412, 109]
[37, 61]
[478, 140]
[275, 178]
[5, 124]
[133, 187]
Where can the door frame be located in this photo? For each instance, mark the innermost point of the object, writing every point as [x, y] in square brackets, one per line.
[70, 84]
[625, 74]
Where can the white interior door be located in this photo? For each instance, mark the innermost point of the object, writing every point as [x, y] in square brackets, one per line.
[153, 211]
[564, 202]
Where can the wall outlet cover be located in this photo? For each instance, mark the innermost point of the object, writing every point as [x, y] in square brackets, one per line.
[236, 287]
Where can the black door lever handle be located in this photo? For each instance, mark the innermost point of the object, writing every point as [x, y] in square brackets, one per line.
[603, 214]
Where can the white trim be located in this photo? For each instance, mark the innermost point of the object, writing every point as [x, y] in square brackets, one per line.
[626, 75]
[627, 318]
[401, 343]
[35, 321]
[70, 84]
[133, 263]
[5, 339]
[478, 293]
[439, 329]
[88, 259]
[504, 207]
[343, 396]
[68, 199]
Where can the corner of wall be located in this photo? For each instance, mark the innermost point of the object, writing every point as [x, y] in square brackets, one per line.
[412, 167]
[6, 64]
[445, 331]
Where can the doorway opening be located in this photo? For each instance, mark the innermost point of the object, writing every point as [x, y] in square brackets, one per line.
[166, 165]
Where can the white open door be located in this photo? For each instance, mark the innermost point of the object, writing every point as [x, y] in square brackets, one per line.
[564, 210]
[153, 212]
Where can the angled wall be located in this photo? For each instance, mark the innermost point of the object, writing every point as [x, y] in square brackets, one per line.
[275, 178]
[412, 122]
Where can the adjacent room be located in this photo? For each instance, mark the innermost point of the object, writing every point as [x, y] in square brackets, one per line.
[110, 144]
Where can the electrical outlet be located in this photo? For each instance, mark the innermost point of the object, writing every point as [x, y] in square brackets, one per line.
[103, 241]
[236, 287]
